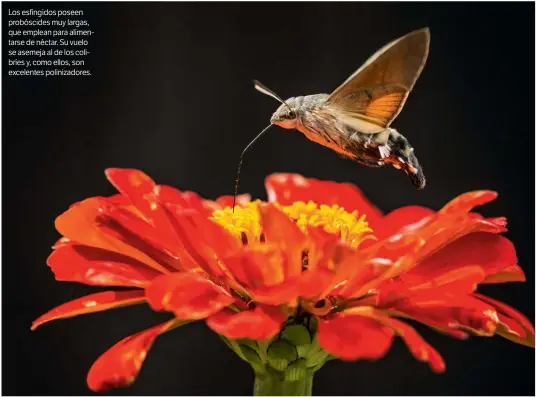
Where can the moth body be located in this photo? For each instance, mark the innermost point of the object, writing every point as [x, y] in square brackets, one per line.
[355, 119]
[312, 116]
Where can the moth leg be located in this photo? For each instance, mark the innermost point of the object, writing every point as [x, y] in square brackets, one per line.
[384, 151]
[360, 138]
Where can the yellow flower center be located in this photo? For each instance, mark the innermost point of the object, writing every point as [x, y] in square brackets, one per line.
[245, 221]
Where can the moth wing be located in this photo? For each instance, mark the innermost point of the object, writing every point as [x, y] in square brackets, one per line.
[399, 63]
[370, 111]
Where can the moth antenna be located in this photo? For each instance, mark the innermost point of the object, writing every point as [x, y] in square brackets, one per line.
[240, 163]
[266, 91]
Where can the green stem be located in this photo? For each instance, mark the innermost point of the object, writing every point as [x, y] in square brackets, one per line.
[269, 384]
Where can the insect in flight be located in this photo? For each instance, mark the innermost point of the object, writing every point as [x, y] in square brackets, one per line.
[355, 119]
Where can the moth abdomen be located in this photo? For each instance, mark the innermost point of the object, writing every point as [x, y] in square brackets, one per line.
[402, 155]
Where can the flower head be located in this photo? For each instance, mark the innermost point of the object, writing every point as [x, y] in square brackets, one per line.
[316, 272]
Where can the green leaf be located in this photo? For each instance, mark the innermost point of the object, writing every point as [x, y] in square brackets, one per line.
[316, 358]
[282, 349]
[315, 345]
[279, 364]
[252, 358]
[296, 371]
[263, 347]
[297, 335]
[303, 350]
[314, 369]
[249, 343]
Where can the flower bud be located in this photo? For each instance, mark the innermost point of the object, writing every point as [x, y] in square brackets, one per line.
[290, 355]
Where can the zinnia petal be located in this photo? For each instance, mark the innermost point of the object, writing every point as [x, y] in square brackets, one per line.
[185, 200]
[467, 201]
[140, 189]
[189, 295]
[80, 224]
[259, 324]
[262, 266]
[508, 274]
[289, 188]
[92, 303]
[127, 227]
[466, 313]
[96, 266]
[204, 240]
[494, 253]
[353, 337]
[227, 201]
[513, 325]
[418, 347]
[404, 250]
[119, 366]
[404, 217]
[437, 284]
[286, 235]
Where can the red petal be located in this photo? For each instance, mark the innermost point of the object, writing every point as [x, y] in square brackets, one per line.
[353, 337]
[467, 201]
[204, 240]
[402, 218]
[492, 252]
[141, 190]
[120, 200]
[330, 263]
[456, 312]
[404, 250]
[119, 366]
[418, 347]
[383, 261]
[449, 229]
[61, 242]
[189, 295]
[80, 224]
[285, 293]
[456, 281]
[260, 267]
[91, 304]
[310, 284]
[95, 266]
[227, 201]
[436, 284]
[259, 324]
[286, 235]
[513, 320]
[288, 188]
[508, 274]
[185, 200]
[130, 229]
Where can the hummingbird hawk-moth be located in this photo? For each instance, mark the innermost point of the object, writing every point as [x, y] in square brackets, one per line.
[354, 120]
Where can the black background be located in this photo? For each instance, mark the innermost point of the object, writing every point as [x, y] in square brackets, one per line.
[171, 94]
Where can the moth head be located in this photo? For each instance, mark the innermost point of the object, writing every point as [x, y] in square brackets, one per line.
[285, 115]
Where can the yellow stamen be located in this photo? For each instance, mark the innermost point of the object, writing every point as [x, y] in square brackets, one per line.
[244, 219]
[350, 227]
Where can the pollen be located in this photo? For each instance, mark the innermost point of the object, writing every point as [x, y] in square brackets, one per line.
[351, 227]
[244, 221]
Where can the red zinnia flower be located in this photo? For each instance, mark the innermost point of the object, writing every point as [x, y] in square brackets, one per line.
[316, 271]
